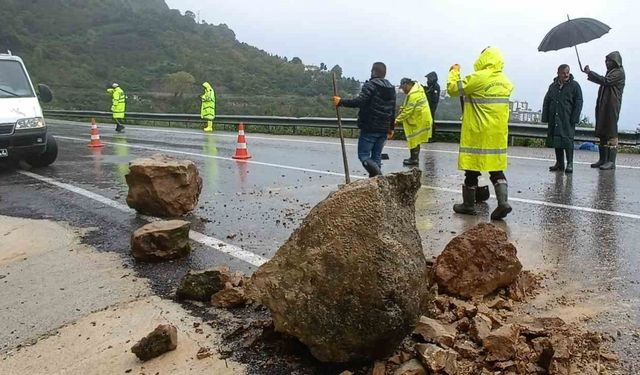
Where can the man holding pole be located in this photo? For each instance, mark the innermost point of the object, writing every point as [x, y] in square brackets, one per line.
[377, 102]
[483, 138]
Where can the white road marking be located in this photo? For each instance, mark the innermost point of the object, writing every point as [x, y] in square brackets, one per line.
[338, 174]
[214, 243]
[142, 128]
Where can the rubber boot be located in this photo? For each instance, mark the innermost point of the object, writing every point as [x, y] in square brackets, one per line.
[209, 127]
[467, 207]
[372, 168]
[482, 194]
[502, 194]
[414, 158]
[569, 168]
[612, 153]
[603, 157]
[119, 128]
[559, 165]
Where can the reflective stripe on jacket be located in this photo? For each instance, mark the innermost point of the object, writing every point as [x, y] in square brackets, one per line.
[118, 102]
[208, 108]
[415, 117]
[485, 129]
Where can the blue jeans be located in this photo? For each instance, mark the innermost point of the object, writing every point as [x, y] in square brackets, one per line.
[370, 146]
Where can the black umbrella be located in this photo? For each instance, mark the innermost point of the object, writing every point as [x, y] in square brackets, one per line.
[571, 33]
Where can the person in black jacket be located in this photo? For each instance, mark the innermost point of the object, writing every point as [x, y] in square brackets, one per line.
[377, 104]
[561, 111]
[433, 93]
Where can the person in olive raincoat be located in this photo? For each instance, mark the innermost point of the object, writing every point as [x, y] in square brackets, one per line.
[484, 133]
[561, 111]
[415, 117]
[208, 107]
[608, 107]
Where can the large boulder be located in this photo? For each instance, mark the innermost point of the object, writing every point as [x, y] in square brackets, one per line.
[163, 186]
[351, 281]
[161, 240]
[477, 262]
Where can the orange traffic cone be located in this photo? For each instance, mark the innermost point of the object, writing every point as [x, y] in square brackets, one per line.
[95, 135]
[241, 150]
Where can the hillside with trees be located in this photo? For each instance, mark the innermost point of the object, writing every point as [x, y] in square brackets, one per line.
[160, 57]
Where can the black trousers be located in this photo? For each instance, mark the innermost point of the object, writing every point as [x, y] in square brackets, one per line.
[471, 177]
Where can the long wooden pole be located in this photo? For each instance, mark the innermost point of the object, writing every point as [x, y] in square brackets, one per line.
[344, 150]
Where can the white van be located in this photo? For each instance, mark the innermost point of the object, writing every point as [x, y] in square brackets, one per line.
[23, 132]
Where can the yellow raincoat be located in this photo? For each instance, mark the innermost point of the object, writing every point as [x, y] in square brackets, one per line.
[118, 102]
[415, 117]
[208, 107]
[485, 130]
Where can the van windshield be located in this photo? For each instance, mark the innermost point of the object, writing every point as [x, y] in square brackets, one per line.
[13, 80]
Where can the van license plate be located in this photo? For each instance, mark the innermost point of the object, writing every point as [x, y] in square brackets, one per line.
[4, 153]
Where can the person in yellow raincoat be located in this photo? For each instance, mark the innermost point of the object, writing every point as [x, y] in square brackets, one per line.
[118, 105]
[208, 108]
[485, 130]
[415, 117]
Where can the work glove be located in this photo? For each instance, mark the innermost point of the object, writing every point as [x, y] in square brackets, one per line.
[455, 67]
[336, 100]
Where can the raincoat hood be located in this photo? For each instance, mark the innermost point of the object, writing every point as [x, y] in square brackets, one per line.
[207, 86]
[491, 58]
[432, 77]
[615, 57]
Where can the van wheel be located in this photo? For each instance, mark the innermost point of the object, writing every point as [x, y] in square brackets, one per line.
[48, 157]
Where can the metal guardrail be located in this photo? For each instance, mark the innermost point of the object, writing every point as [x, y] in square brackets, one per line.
[515, 129]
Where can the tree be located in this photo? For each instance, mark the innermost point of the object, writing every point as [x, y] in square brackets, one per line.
[337, 70]
[179, 82]
[190, 14]
[296, 60]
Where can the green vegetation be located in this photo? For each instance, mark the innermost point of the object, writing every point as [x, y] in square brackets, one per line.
[159, 57]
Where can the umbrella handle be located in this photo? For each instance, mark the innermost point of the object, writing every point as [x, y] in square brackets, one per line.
[578, 55]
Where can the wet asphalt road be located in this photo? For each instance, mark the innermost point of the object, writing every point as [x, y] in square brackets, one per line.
[583, 229]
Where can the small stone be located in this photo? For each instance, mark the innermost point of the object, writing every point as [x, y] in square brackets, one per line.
[561, 347]
[477, 262]
[543, 350]
[432, 331]
[201, 285]
[161, 340]
[163, 186]
[467, 349]
[437, 359]
[611, 357]
[229, 297]
[161, 241]
[463, 309]
[204, 353]
[480, 328]
[501, 343]
[412, 367]
[379, 368]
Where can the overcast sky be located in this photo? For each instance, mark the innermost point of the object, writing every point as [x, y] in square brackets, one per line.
[414, 37]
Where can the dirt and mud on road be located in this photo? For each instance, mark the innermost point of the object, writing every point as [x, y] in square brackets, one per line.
[66, 308]
[62, 300]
